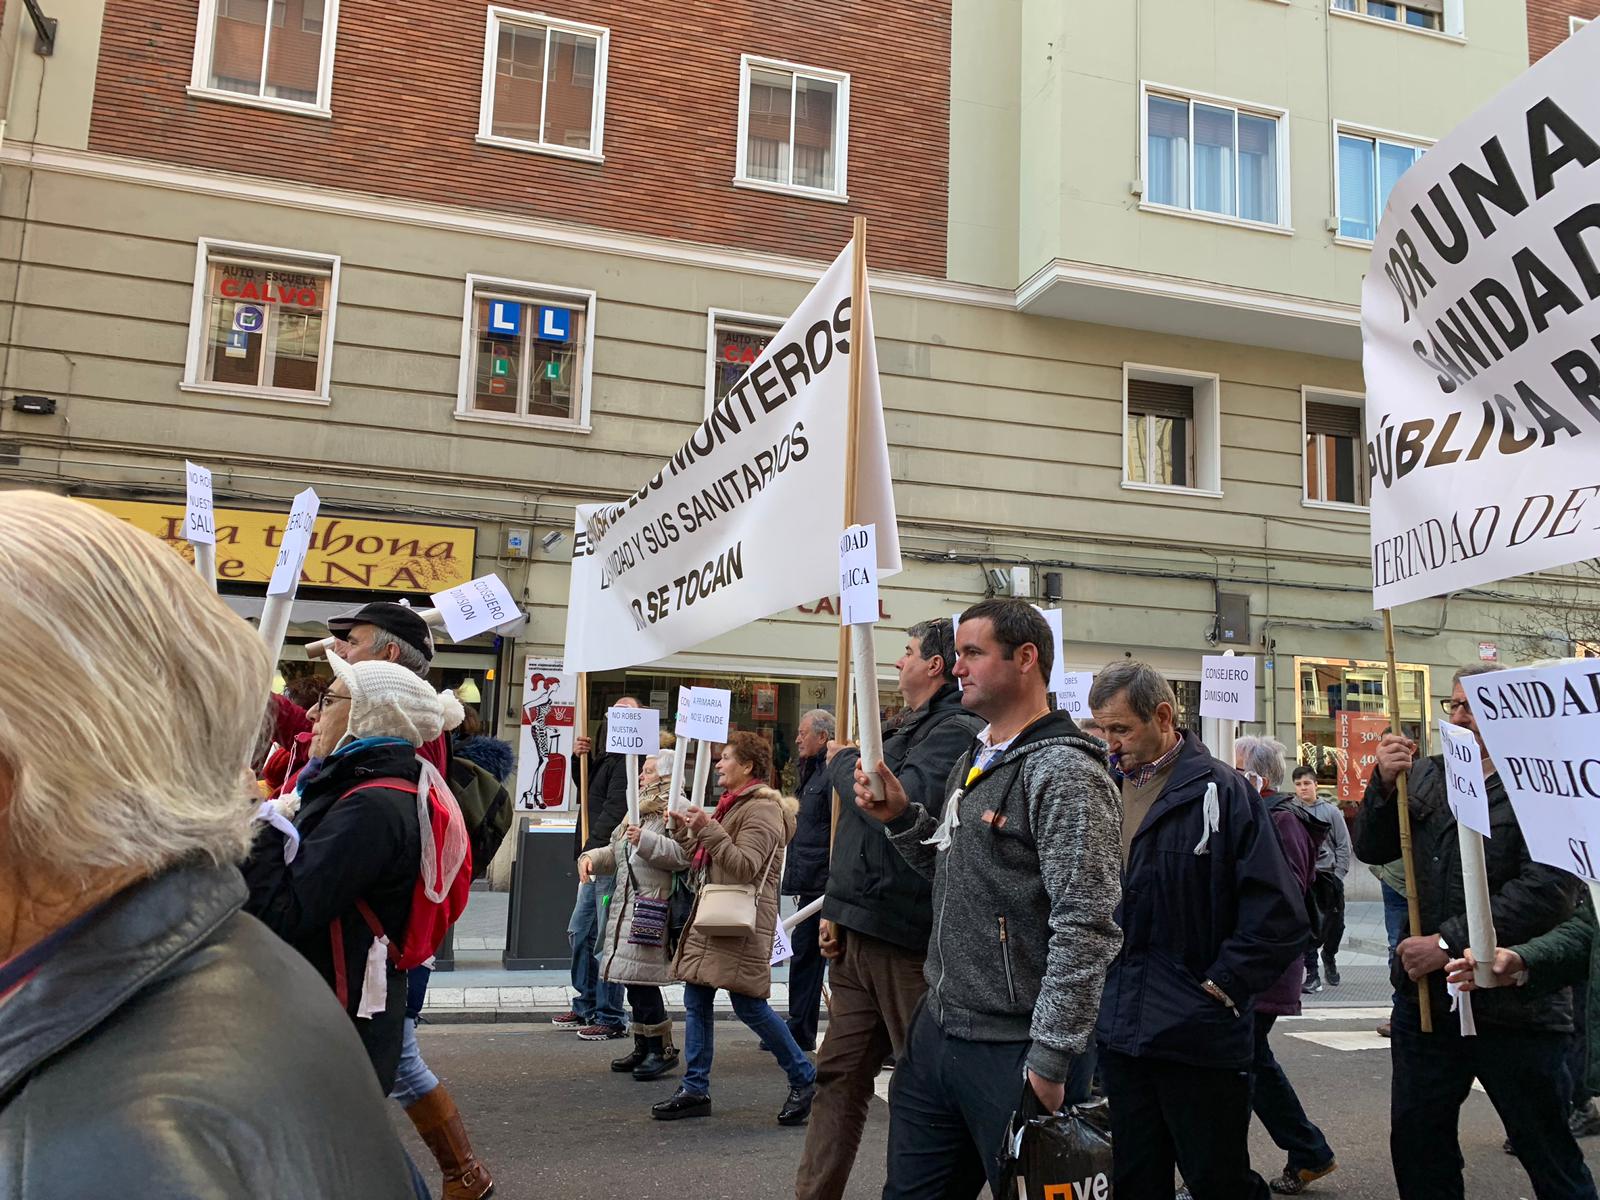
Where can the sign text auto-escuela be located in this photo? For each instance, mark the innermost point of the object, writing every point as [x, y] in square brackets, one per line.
[266, 285]
[1480, 346]
[374, 556]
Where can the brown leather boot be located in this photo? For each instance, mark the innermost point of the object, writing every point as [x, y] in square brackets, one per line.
[439, 1125]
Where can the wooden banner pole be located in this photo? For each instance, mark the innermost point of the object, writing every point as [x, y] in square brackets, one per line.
[583, 759]
[1407, 859]
[858, 307]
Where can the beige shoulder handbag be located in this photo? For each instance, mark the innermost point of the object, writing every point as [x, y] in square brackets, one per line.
[729, 909]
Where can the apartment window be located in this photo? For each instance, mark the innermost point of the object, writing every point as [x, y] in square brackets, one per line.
[1438, 15]
[526, 353]
[275, 53]
[262, 321]
[1170, 429]
[793, 123]
[1368, 168]
[1336, 469]
[736, 341]
[1576, 23]
[544, 84]
[1213, 157]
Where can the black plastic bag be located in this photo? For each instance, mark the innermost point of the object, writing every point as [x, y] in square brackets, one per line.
[1064, 1156]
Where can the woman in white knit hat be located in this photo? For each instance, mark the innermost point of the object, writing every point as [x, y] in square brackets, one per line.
[357, 839]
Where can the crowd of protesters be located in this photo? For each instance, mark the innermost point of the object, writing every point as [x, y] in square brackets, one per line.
[1020, 912]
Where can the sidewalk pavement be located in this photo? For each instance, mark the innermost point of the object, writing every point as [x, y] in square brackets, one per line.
[480, 990]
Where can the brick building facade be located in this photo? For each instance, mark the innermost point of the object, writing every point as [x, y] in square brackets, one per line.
[1551, 22]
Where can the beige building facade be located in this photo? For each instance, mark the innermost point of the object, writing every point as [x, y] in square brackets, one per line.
[1137, 379]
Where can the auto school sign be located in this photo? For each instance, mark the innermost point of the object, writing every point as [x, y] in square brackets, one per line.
[1481, 329]
[744, 520]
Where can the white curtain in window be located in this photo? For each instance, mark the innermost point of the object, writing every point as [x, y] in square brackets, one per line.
[1356, 216]
[1168, 152]
[1213, 160]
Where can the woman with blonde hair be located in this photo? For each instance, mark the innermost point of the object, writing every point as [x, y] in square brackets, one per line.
[633, 946]
[154, 1040]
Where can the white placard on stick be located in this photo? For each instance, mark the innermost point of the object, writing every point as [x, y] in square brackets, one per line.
[1073, 697]
[1541, 726]
[633, 731]
[199, 516]
[1477, 317]
[1228, 687]
[858, 575]
[475, 607]
[1058, 668]
[296, 542]
[709, 709]
[782, 947]
[955, 632]
[1465, 789]
[680, 722]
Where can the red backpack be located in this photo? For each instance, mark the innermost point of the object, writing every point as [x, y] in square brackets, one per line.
[429, 920]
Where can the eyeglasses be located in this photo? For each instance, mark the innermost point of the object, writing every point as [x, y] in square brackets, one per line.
[1450, 707]
[324, 701]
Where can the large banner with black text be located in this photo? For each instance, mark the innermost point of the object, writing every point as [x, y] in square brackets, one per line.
[745, 519]
[1481, 333]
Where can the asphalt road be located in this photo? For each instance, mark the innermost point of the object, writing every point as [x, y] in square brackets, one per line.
[552, 1121]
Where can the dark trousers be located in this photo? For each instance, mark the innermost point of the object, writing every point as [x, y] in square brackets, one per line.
[1524, 1074]
[805, 980]
[648, 1004]
[1578, 1047]
[876, 987]
[1166, 1115]
[1275, 1103]
[1328, 889]
[949, 1105]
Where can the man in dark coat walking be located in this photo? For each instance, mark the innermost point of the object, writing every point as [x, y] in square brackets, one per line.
[805, 872]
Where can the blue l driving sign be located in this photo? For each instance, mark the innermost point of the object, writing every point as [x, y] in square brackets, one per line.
[555, 324]
[505, 318]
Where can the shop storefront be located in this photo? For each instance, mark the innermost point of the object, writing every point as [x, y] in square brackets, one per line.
[1342, 710]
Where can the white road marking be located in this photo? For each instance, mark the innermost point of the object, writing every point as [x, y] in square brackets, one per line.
[1345, 1039]
[1338, 1014]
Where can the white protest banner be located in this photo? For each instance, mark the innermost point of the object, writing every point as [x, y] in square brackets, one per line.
[296, 542]
[1073, 697]
[475, 607]
[1058, 668]
[1465, 790]
[709, 709]
[633, 731]
[1541, 726]
[199, 516]
[858, 575]
[1478, 323]
[743, 521]
[1228, 687]
[549, 717]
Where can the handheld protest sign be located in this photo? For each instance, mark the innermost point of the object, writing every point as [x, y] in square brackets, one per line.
[633, 731]
[680, 751]
[858, 575]
[1468, 797]
[1052, 617]
[475, 607]
[296, 542]
[1073, 697]
[709, 709]
[1228, 687]
[200, 522]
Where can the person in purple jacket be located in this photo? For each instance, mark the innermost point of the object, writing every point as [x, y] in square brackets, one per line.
[1272, 1096]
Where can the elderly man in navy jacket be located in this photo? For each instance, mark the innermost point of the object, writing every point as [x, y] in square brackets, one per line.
[1211, 916]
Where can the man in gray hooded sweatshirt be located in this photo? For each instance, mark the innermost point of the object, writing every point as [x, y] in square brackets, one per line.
[1026, 868]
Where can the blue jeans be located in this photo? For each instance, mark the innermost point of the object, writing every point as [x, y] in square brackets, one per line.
[1395, 916]
[699, 1029]
[413, 1080]
[597, 1002]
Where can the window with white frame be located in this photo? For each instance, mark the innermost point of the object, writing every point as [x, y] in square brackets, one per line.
[1171, 429]
[1336, 469]
[793, 125]
[277, 53]
[1576, 23]
[262, 321]
[544, 84]
[1211, 156]
[526, 352]
[736, 341]
[1369, 165]
[1439, 16]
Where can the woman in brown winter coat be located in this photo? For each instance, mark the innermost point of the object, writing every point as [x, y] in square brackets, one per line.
[633, 948]
[740, 844]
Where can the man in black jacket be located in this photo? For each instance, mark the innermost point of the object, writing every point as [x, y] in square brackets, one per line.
[877, 913]
[1519, 1051]
[1210, 917]
[805, 872]
[596, 1011]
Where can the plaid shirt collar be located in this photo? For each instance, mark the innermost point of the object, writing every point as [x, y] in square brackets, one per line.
[1140, 776]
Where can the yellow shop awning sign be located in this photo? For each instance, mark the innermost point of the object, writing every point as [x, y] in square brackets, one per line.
[368, 556]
